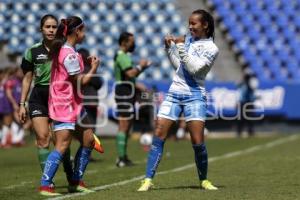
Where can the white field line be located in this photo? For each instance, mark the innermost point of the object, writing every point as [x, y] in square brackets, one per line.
[210, 160]
[17, 185]
[24, 183]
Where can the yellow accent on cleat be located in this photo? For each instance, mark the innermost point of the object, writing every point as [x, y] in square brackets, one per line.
[207, 185]
[48, 191]
[98, 146]
[146, 185]
[79, 188]
[49, 194]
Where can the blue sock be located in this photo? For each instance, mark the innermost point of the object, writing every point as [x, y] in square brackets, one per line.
[81, 161]
[154, 156]
[201, 160]
[51, 167]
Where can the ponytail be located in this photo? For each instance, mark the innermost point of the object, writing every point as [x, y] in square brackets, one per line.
[58, 42]
[65, 28]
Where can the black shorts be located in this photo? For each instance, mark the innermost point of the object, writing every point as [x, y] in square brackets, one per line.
[125, 100]
[38, 101]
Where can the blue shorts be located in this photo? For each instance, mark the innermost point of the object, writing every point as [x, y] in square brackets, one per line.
[58, 126]
[193, 107]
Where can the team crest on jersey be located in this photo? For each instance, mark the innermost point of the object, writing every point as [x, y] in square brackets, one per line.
[198, 50]
[200, 46]
[71, 57]
[72, 61]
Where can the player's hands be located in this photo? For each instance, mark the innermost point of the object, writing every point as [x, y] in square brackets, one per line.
[22, 114]
[16, 107]
[144, 64]
[168, 40]
[94, 61]
[180, 39]
[141, 87]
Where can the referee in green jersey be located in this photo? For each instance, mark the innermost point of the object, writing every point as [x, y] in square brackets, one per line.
[125, 75]
[37, 66]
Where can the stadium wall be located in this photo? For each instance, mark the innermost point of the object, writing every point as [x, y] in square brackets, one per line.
[274, 99]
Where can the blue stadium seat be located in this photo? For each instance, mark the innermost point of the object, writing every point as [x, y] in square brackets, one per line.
[269, 29]
[104, 20]
[282, 21]
[271, 34]
[230, 22]
[254, 34]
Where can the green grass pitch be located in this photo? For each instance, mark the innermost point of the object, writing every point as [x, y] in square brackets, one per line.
[254, 168]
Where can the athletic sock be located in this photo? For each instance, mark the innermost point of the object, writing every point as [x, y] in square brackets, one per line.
[51, 167]
[201, 160]
[81, 161]
[154, 156]
[121, 144]
[67, 164]
[43, 154]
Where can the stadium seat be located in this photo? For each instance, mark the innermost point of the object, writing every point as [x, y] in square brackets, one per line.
[270, 29]
[149, 20]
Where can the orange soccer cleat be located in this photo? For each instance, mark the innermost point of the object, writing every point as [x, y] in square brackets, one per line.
[98, 146]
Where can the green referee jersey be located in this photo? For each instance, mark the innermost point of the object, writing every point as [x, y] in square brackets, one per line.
[36, 60]
[123, 62]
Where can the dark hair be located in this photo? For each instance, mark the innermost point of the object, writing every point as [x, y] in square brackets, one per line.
[124, 37]
[206, 17]
[85, 54]
[44, 19]
[65, 28]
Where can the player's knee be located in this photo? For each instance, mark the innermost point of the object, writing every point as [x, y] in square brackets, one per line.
[42, 142]
[159, 132]
[62, 147]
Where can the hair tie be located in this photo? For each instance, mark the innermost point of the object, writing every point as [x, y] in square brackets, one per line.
[64, 22]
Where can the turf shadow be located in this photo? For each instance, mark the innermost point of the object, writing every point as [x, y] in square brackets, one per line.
[193, 187]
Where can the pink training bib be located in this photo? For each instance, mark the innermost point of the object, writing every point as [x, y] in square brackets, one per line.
[64, 101]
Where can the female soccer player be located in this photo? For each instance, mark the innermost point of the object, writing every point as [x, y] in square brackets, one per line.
[65, 104]
[13, 93]
[35, 64]
[5, 110]
[193, 56]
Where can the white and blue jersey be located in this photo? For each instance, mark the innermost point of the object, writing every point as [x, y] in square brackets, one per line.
[192, 60]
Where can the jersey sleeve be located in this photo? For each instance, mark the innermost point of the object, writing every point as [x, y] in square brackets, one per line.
[125, 62]
[209, 56]
[27, 62]
[196, 63]
[173, 56]
[71, 63]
